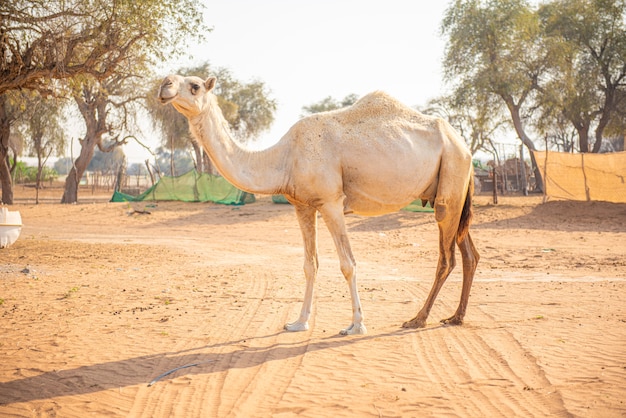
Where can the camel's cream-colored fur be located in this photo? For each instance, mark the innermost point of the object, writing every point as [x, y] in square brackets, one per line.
[372, 158]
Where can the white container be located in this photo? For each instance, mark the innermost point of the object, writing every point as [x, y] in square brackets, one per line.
[10, 227]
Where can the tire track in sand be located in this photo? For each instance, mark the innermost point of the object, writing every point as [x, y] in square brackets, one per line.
[456, 359]
[249, 345]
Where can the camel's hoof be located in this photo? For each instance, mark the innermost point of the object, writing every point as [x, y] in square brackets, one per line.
[297, 326]
[414, 323]
[354, 329]
[453, 320]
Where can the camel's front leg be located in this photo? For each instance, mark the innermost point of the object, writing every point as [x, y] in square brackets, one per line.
[333, 216]
[307, 218]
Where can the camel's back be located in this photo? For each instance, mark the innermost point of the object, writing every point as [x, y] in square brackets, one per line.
[379, 106]
[376, 117]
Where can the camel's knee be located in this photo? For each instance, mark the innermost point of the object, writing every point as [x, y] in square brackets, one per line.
[447, 262]
[347, 269]
[471, 260]
[311, 265]
[469, 253]
[447, 266]
[447, 254]
[476, 254]
[452, 263]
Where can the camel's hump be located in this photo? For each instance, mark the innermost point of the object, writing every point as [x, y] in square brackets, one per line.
[377, 105]
[370, 113]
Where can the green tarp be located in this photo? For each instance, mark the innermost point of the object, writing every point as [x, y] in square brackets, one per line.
[191, 187]
[416, 206]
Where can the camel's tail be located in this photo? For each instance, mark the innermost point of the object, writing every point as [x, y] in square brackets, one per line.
[466, 215]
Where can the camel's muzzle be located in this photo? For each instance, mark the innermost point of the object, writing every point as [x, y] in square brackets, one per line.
[165, 100]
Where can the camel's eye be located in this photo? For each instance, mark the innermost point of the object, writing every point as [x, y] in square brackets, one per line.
[195, 88]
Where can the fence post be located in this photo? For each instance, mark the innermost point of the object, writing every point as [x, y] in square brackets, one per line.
[545, 175]
[582, 166]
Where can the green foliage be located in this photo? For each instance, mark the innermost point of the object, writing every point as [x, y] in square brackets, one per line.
[329, 103]
[44, 40]
[137, 169]
[476, 121]
[247, 107]
[554, 69]
[107, 162]
[42, 125]
[26, 174]
[173, 163]
[63, 165]
[589, 67]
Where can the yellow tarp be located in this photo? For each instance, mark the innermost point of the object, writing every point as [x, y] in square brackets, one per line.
[584, 176]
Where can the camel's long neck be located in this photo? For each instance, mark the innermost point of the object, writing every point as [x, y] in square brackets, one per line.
[252, 171]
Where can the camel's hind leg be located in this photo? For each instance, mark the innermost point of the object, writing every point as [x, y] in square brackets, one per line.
[470, 258]
[307, 218]
[448, 220]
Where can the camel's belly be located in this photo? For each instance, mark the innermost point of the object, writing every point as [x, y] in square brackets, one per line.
[377, 202]
[378, 191]
[372, 208]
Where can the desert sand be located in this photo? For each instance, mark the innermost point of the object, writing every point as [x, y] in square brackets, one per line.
[98, 300]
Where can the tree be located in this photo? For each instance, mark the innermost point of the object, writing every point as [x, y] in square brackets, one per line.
[558, 70]
[476, 122]
[495, 48]
[247, 107]
[173, 162]
[106, 162]
[590, 64]
[12, 108]
[63, 165]
[104, 106]
[43, 128]
[45, 40]
[329, 103]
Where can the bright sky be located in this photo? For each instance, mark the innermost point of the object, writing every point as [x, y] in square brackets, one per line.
[307, 50]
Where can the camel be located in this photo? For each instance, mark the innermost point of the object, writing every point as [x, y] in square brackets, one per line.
[372, 158]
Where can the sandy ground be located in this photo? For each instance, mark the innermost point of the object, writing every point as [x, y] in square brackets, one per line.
[98, 300]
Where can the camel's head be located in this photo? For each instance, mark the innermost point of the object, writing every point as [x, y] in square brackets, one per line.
[189, 95]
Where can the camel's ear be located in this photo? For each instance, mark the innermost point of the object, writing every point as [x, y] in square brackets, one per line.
[210, 83]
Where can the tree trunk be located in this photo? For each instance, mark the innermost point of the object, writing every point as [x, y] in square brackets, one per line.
[92, 106]
[197, 149]
[150, 173]
[583, 139]
[602, 123]
[5, 178]
[521, 134]
[5, 171]
[209, 167]
[38, 177]
[88, 146]
[121, 176]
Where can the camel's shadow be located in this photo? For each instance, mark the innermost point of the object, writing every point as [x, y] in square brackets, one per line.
[143, 369]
